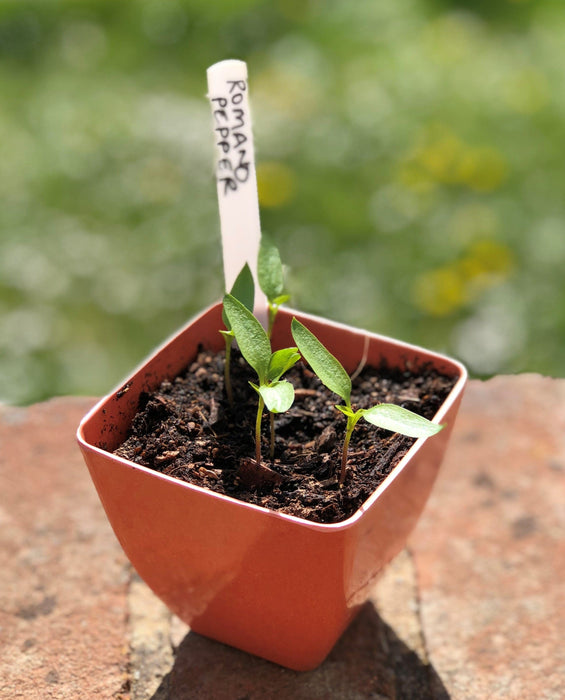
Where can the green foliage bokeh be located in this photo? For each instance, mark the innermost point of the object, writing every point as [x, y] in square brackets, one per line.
[409, 161]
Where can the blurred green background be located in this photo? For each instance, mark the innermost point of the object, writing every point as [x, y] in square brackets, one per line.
[410, 162]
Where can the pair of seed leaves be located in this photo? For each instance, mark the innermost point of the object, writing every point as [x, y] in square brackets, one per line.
[278, 394]
[255, 346]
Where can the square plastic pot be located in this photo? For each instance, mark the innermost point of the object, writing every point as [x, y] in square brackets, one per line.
[274, 585]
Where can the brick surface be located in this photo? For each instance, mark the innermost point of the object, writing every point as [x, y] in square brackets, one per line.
[474, 608]
[151, 645]
[63, 578]
[490, 550]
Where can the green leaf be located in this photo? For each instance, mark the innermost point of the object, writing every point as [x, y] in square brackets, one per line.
[226, 323]
[278, 396]
[270, 270]
[281, 361]
[250, 335]
[400, 420]
[328, 368]
[277, 301]
[243, 290]
[349, 412]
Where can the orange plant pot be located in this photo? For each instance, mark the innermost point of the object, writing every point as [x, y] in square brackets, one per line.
[274, 585]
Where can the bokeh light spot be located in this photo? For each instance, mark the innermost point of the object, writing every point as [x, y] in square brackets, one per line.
[439, 292]
[275, 184]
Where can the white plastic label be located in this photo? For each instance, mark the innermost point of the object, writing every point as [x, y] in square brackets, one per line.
[235, 171]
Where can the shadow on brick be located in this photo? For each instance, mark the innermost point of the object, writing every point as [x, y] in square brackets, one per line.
[369, 661]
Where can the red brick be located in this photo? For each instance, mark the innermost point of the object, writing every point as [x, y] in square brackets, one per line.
[488, 559]
[63, 577]
[490, 550]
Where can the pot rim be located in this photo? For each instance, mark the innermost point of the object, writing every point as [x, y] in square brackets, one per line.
[320, 527]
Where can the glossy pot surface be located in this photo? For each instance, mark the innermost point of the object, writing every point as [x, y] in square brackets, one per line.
[271, 584]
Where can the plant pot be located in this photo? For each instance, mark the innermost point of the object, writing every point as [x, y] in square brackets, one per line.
[274, 585]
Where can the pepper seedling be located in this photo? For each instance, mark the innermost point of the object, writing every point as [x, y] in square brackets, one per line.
[275, 393]
[270, 275]
[244, 290]
[332, 374]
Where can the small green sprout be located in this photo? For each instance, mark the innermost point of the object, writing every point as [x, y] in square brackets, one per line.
[275, 393]
[271, 279]
[332, 374]
[244, 290]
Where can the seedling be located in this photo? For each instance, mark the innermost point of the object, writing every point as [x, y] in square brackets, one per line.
[244, 290]
[275, 393]
[332, 374]
[271, 279]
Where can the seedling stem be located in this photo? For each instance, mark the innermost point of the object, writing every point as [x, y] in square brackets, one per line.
[332, 374]
[275, 393]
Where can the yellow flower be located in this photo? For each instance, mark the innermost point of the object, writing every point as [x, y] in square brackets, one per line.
[275, 184]
[440, 292]
[441, 157]
[446, 289]
[482, 169]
